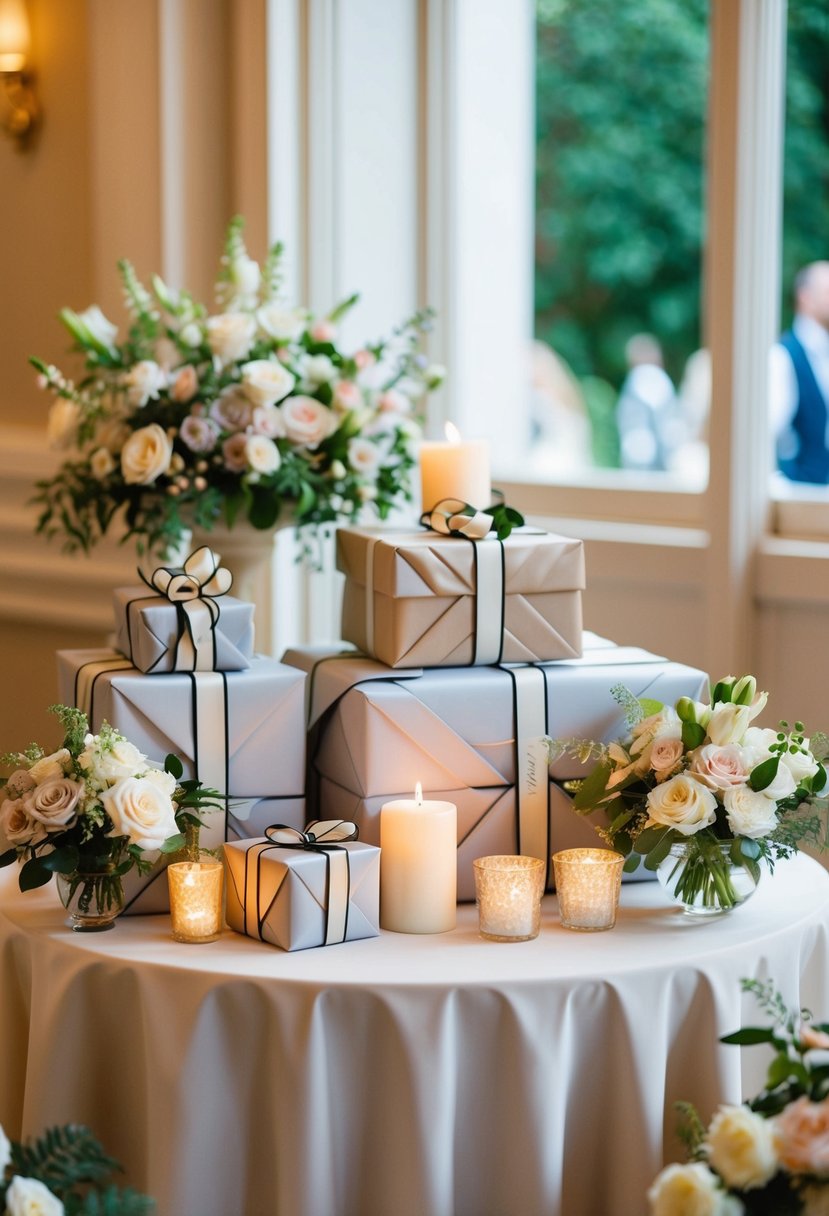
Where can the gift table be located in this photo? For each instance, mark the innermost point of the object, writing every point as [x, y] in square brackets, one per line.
[425, 1076]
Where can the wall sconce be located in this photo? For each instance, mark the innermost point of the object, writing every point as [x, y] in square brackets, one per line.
[22, 113]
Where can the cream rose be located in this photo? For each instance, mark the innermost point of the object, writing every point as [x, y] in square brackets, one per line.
[143, 382]
[101, 462]
[728, 723]
[665, 755]
[720, 768]
[230, 335]
[146, 455]
[281, 324]
[682, 803]
[801, 1137]
[165, 781]
[266, 381]
[688, 1190]
[62, 424]
[48, 767]
[53, 802]
[30, 1197]
[262, 454]
[307, 421]
[140, 810]
[749, 813]
[741, 1147]
[17, 825]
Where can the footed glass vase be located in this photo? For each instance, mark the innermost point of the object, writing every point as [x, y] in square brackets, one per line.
[93, 898]
[707, 883]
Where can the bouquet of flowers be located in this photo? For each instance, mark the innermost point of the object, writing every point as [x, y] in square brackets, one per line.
[252, 412]
[702, 781]
[770, 1156]
[65, 1172]
[93, 810]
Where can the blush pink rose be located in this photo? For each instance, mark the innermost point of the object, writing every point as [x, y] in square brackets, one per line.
[720, 768]
[665, 756]
[801, 1137]
[307, 421]
[53, 803]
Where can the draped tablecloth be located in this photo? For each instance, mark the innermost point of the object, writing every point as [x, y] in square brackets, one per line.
[420, 1076]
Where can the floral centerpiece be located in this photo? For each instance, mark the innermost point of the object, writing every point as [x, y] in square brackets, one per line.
[253, 412]
[91, 811]
[770, 1156]
[64, 1172]
[696, 791]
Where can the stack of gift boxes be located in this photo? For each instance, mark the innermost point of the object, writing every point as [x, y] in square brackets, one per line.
[460, 656]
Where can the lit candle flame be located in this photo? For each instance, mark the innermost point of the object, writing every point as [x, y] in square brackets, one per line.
[419, 794]
[452, 432]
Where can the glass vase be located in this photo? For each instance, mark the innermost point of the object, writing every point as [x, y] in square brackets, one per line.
[93, 898]
[706, 882]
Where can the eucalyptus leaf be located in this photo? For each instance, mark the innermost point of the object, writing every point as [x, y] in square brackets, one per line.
[594, 786]
[173, 843]
[659, 852]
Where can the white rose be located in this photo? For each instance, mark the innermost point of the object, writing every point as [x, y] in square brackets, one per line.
[749, 813]
[121, 759]
[800, 764]
[30, 1197]
[230, 335]
[49, 767]
[756, 744]
[682, 803]
[165, 781]
[741, 1147]
[62, 424]
[318, 369]
[364, 456]
[146, 455]
[266, 381]
[5, 1151]
[98, 326]
[307, 421]
[140, 810]
[783, 784]
[101, 462]
[728, 723]
[262, 454]
[144, 380]
[282, 324]
[720, 768]
[688, 1190]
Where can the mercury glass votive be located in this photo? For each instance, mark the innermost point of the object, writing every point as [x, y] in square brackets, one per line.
[508, 892]
[195, 900]
[588, 882]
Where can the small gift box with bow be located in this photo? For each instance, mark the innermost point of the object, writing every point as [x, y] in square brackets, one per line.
[298, 889]
[459, 596]
[183, 626]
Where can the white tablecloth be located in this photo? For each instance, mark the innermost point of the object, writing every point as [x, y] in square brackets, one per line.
[420, 1076]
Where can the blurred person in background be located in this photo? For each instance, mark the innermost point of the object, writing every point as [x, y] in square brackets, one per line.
[799, 382]
[561, 435]
[648, 413]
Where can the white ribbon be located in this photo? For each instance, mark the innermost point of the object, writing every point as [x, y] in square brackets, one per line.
[85, 678]
[532, 781]
[192, 589]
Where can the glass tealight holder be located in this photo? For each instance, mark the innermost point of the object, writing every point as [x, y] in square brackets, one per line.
[588, 882]
[508, 893]
[196, 900]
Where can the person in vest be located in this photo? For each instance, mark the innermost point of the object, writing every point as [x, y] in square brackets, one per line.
[799, 396]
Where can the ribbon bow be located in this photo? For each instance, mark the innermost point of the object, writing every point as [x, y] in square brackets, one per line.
[325, 836]
[191, 589]
[453, 517]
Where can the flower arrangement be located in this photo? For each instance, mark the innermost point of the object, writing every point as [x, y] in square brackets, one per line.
[770, 1156]
[253, 412]
[701, 776]
[65, 1172]
[93, 810]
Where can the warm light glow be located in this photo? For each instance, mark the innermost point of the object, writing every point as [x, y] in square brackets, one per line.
[14, 35]
[419, 794]
[452, 433]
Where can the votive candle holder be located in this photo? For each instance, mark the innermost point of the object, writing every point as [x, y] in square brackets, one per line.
[508, 893]
[195, 900]
[588, 882]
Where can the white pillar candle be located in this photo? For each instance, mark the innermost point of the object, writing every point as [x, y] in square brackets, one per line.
[456, 468]
[418, 865]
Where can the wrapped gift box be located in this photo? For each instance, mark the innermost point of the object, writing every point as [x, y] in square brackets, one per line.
[470, 736]
[416, 599]
[241, 733]
[281, 895]
[148, 629]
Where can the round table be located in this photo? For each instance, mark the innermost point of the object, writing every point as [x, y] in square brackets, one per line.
[421, 1076]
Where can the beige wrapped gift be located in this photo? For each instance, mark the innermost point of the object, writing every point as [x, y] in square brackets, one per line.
[421, 599]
